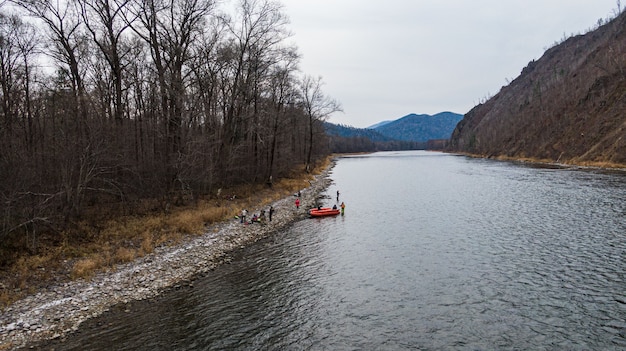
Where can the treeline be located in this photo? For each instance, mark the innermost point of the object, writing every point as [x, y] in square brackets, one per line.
[339, 144]
[122, 100]
[347, 139]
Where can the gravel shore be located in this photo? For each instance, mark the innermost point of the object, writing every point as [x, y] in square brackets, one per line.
[61, 309]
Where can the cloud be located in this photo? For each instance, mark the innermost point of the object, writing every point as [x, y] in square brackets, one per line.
[385, 59]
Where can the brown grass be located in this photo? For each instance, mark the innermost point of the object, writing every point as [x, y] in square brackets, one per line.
[147, 244]
[124, 255]
[86, 267]
[573, 162]
[600, 164]
[103, 243]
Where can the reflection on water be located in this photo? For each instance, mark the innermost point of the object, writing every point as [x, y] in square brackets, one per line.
[435, 252]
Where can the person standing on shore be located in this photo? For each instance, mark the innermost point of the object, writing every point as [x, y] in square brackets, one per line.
[337, 195]
[271, 212]
[297, 203]
[262, 217]
[343, 207]
[244, 212]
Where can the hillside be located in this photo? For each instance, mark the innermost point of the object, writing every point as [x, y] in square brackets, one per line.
[346, 139]
[568, 106]
[421, 128]
[379, 124]
[352, 132]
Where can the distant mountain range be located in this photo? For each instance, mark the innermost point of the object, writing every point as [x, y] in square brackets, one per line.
[420, 128]
[409, 132]
[352, 132]
[379, 124]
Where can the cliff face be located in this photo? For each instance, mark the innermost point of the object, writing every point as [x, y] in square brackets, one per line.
[568, 106]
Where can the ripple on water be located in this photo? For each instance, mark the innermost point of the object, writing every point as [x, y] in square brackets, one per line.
[437, 252]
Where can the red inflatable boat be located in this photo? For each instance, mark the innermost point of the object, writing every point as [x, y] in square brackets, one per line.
[324, 211]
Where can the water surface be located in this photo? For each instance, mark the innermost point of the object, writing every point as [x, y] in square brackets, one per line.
[435, 252]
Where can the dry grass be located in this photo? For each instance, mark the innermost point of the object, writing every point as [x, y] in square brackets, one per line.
[86, 267]
[19, 278]
[573, 162]
[104, 243]
[185, 222]
[147, 244]
[600, 164]
[6, 298]
[124, 255]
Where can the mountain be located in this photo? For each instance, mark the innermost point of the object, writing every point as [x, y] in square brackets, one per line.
[568, 106]
[410, 132]
[346, 139]
[421, 128]
[379, 124]
[352, 132]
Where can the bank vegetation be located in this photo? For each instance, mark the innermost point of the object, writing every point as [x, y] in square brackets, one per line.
[124, 124]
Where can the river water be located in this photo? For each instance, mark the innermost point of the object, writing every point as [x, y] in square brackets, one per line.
[435, 252]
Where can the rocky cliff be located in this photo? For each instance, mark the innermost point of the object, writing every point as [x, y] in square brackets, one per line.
[569, 106]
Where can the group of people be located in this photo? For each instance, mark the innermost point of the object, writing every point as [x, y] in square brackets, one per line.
[261, 218]
[319, 207]
[342, 206]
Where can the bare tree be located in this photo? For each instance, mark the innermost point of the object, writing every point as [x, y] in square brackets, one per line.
[251, 49]
[18, 208]
[68, 44]
[104, 19]
[283, 92]
[317, 108]
[13, 36]
[171, 28]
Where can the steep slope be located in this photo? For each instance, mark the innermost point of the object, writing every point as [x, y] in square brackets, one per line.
[568, 106]
[421, 128]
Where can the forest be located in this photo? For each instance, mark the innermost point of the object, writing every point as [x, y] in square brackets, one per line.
[107, 103]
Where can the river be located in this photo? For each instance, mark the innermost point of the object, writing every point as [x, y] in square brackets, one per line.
[435, 252]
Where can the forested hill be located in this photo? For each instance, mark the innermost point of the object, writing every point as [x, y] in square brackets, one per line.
[347, 139]
[421, 128]
[353, 132]
[568, 106]
[410, 132]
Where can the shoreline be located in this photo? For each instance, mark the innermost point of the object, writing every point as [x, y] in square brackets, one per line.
[536, 161]
[60, 310]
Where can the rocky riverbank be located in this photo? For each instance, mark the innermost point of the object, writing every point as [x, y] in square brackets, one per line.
[61, 309]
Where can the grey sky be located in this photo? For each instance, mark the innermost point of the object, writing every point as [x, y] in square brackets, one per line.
[385, 59]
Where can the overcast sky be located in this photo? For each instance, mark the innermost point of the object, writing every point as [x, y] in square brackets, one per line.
[385, 59]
